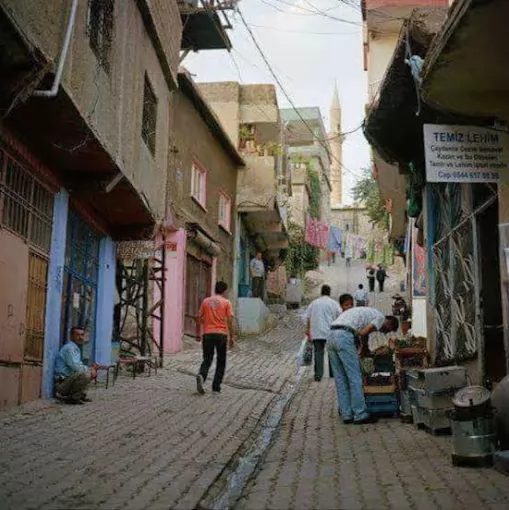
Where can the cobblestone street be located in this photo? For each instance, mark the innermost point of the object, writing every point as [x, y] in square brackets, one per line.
[153, 443]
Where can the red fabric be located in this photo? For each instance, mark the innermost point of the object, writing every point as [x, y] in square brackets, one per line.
[317, 233]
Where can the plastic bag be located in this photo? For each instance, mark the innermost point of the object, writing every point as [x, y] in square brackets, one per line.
[305, 355]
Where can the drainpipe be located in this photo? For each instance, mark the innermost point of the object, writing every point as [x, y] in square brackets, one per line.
[63, 54]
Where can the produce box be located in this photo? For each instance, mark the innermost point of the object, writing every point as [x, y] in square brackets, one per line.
[382, 404]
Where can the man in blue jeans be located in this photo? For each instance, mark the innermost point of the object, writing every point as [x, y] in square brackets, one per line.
[342, 346]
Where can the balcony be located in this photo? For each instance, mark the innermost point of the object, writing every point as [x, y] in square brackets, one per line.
[386, 16]
[260, 198]
[205, 23]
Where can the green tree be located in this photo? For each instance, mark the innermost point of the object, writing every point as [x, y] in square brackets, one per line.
[367, 192]
[300, 257]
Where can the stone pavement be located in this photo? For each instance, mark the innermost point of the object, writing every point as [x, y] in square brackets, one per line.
[148, 443]
[316, 462]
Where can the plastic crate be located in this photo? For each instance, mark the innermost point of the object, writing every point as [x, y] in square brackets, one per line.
[382, 404]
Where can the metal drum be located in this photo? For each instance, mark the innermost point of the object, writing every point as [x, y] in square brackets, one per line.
[473, 441]
[473, 428]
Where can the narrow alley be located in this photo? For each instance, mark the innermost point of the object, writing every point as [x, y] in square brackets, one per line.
[271, 440]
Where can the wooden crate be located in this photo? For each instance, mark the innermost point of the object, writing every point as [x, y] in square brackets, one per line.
[376, 390]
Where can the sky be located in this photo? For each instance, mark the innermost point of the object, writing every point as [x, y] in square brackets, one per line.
[311, 45]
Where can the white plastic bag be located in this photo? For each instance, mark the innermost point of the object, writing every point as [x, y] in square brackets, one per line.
[305, 355]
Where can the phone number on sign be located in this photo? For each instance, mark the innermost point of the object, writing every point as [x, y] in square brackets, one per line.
[487, 176]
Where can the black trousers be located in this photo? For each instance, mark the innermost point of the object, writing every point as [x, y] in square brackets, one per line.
[258, 287]
[210, 343]
[371, 282]
[319, 351]
[381, 285]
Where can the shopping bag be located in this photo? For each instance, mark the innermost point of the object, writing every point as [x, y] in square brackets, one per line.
[305, 355]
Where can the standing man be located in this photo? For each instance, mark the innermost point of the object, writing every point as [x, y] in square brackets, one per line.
[319, 316]
[381, 275]
[342, 346]
[72, 377]
[371, 278]
[216, 319]
[257, 272]
[361, 296]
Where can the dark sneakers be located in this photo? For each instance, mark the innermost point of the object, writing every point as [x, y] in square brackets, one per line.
[348, 421]
[199, 384]
[367, 420]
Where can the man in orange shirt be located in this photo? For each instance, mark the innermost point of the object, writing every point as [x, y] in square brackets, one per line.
[216, 319]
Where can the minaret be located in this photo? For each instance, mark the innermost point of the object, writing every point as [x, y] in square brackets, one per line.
[335, 143]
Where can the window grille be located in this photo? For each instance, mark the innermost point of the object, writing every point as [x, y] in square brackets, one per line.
[100, 30]
[36, 306]
[149, 120]
[26, 206]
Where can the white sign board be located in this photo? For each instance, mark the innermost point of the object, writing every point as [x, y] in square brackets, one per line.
[465, 153]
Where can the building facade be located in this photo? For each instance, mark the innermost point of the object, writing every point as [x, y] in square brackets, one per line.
[309, 158]
[250, 116]
[201, 191]
[83, 157]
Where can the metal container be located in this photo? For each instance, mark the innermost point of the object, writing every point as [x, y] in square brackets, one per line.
[474, 441]
[472, 401]
[438, 379]
[405, 402]
[429, 400]
[435, 419]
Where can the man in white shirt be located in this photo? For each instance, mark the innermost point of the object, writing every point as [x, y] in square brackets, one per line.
[361, 296]
[346, 332]
[257, 272]
[319, 316]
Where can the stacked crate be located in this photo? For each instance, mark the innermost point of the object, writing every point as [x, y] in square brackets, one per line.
[408, 358]
[432, 390]
[380, 387]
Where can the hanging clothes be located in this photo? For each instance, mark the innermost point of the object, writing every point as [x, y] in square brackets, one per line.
[317, 233]
[334, 242]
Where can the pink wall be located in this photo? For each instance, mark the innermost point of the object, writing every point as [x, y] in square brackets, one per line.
[174, 292]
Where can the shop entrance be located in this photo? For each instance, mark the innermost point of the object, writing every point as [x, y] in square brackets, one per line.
[198, 284]
[80, 282]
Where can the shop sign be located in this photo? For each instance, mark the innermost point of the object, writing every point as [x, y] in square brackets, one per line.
[465, 153]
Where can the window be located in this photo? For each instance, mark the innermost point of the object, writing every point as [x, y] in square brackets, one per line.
[100, 29]
[26, 208]
[198, 184]
[149, 120]
[225, 207]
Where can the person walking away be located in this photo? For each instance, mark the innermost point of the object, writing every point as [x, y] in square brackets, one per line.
[342, 347]
[371, 279]
[345, 303]
[319, 316]
[381, 275]
[72, 376]
[361, 296]
[215, 317]
[257, 272]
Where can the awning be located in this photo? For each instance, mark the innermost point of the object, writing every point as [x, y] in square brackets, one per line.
[392, 125]
[466, 70]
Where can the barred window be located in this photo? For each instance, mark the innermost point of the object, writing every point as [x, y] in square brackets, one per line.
[26, 207]
[36, 306]
[100, 29]
[149, 120]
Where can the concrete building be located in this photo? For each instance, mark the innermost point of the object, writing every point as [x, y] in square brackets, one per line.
[201, 193]
[306, 140]
[250, 116]
[84, 128]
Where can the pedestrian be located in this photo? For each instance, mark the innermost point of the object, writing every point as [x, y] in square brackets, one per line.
[72, 376]
[215, 317]
[257, 272]
[361, 296]
[381, 275]
[342, 346]
[319, 316]
[371, 278]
